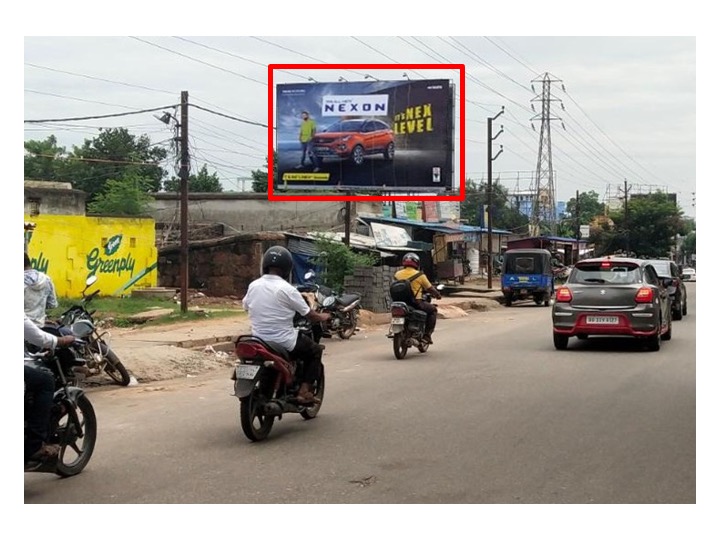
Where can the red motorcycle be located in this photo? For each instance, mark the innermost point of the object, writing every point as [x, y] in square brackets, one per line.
[267, 387]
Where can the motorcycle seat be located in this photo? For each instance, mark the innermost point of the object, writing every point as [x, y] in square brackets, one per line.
[347, 299]
[273, 347]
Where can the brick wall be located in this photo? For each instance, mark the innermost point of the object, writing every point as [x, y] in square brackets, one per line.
[373, 284]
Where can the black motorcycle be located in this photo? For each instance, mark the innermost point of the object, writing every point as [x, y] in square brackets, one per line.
[73, 424]
[99, 356]
[407, 327]
[267, 386]
[344, 309]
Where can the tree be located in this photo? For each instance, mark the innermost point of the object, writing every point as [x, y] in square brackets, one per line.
[45, 160]
[504, 216]
[652, 222]
[113, 154]
[260, 177]
[127, 196]
[590, 208]
[202, 182]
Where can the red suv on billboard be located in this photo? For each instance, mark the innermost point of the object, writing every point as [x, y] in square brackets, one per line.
[354, 139]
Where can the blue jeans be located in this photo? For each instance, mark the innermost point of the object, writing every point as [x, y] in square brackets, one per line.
[307, 151]
[41, 384]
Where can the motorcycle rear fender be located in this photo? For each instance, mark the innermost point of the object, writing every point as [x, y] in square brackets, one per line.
[244, 387]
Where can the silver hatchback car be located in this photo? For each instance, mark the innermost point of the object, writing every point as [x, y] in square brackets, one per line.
[613, 297]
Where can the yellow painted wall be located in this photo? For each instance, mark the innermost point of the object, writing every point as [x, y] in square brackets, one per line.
[120, 251]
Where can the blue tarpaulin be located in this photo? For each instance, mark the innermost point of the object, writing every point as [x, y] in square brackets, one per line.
[301, 264]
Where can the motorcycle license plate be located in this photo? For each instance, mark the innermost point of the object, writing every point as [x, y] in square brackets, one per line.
[246, 371]
[398, 320]
[602, 320]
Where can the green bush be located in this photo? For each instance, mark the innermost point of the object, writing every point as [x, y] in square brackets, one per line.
[338, 260]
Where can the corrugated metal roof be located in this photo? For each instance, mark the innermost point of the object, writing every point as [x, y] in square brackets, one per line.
[445, 227]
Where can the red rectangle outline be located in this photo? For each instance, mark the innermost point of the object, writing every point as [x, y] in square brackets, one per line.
[271, 96]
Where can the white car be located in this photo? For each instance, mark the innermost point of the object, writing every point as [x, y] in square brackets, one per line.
[688, 274]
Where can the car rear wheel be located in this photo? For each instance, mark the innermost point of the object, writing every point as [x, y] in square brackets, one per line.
[560, 341]
[653, 343]
[667, 336]
[684, 308]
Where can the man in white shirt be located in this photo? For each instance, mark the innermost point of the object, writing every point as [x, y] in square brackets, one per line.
[39, 293]
[272, 304]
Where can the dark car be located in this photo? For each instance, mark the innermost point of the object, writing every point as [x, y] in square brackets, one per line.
[613, 296]
[355, 139]
[666, 268]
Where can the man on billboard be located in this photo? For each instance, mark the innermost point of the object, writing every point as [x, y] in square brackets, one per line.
[307, 132]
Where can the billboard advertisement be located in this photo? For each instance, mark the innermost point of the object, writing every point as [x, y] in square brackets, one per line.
[365, 137]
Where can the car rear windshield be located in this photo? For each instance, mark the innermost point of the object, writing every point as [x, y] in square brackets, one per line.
[606, 272]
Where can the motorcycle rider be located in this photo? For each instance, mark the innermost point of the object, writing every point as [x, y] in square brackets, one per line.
[272, 302]
[42, 385]
[411, 266]
[39, 293]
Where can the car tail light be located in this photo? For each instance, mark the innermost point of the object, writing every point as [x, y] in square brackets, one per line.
[563, 294]
[645, 295]
[397, 312]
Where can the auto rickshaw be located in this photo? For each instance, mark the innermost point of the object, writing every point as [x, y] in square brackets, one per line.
[527, 273]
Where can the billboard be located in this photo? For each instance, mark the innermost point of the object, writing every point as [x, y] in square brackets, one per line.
[365, 137]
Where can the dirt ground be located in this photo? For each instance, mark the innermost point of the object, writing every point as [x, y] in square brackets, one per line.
[148, 360]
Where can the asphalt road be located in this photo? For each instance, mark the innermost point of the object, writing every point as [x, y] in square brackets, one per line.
[491, 414]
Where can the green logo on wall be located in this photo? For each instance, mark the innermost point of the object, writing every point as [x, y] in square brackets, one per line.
[113, 244]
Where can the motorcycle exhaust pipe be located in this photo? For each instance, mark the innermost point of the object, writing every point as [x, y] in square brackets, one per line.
[273, 408]
[350, 306]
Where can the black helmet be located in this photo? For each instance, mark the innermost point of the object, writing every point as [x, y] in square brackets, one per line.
[280, 258]
[411, 259]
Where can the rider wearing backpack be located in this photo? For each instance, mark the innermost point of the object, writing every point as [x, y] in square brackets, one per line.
[419, 283]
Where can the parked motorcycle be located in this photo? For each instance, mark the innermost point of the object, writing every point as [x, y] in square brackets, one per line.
[407, 327]
[73, 424]
[344, 309]
[267, 387]
[99, 356]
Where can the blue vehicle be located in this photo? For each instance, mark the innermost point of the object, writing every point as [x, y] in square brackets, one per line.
[527, 274]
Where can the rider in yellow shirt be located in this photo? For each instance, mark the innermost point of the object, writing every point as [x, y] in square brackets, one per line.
[411, 266]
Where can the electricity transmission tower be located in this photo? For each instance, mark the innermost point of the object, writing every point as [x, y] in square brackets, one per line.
[543, 207]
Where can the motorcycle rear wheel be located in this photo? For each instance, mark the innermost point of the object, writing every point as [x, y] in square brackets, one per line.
[113, 367]
[319, 392]
[399, 346]
[75, 451]
[255, 425]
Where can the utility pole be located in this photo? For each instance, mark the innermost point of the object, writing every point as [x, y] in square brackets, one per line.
[626, 190]
[577, 223]
[491, 158]
[184, 175]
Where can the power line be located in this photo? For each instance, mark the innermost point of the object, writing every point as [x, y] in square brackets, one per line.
[78, 118]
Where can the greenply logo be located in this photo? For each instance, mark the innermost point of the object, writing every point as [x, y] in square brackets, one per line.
[113, 245]
[118, 265]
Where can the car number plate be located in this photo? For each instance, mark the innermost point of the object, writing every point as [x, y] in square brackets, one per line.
[398, 320]
[592, 319]
[246, 371]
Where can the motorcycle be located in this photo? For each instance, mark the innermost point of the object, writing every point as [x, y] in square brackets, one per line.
[407, 327]
[99, 356]
[73, 424]
[344, 309]
[267, 387]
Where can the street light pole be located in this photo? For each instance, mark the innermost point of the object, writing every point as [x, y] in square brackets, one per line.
[184, 175]
[491, 158]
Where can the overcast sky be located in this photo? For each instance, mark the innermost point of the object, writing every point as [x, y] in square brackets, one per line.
[623, 108]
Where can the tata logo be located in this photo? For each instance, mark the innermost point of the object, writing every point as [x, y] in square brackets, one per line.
[370, 105]
[113, 244]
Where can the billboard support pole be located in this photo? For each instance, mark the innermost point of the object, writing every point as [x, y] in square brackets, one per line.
[347, 223]
[491, 158]
[184, 175]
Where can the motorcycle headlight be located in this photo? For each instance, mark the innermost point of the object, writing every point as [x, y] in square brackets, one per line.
[329, 301]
